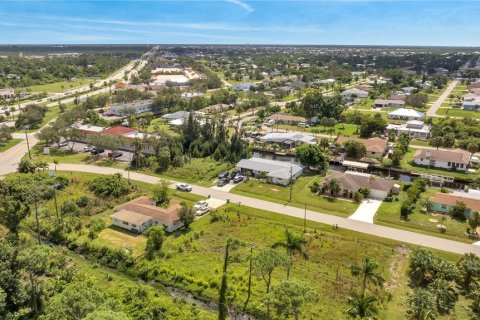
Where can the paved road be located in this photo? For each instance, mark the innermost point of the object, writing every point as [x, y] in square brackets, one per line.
[345, 223]
[432, 112]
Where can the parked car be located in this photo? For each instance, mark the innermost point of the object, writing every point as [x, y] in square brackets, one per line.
[234, 174]
[115, 154]
[238, 178]
[97, 151]
[87, 149]
[202, 211]
[63, 143]
[223, 175]
[303, 125]
[183, 187]
[200, 204]
[222, 182]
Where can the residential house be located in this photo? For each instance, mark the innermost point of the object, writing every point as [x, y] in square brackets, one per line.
[276, 172]
[457, 159]
[218, 108]
[365, 87]
[131, 108]
[243, 86]
[287, 139]
[179, 117]
[444, 203]
[406, 114]
[382, 103]
[375, 147]
[189, 95]
[286, 118]
[471, 102]
[324, 81]
[409, 90]
[413, 128]
[7, 93]
[351, 181]
[140, 213]
[354, 93]
[475, 87]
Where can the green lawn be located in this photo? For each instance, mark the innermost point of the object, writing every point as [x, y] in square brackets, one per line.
[10, 143]
[201, 171]
[419, 142]
[343, 129]
[301, 195]
[160, 125]
[365, 104]
[59, 86]
[458, 113]
[407, 164]
[389, 214]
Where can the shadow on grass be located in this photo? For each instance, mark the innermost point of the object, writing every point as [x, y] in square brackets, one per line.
[124, 231]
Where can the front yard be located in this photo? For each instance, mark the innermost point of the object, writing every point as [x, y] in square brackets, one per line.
[301, 195]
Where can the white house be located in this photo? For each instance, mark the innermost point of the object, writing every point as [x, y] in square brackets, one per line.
[276, 172]
[288, 139]
[354, 92]
[457, 159]
[406, 114]
[414, 128]
[7, 93]
[132, 108]
[409, 90]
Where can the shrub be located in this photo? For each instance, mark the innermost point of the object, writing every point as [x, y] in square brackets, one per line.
[109, 185]
[69, 208]
[357, 197]
[82, 201]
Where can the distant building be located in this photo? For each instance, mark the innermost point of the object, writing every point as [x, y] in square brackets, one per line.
[406, 114]
[287, 139]
[218, 108]
[243, 86]
[457, 159]
[354, 93]
[351, 181]
[375, 147]
[189, 95]
[7, 93]
[409, 90]
[286, 118]
[179, 117]
[140, 213]
[471, 102]
[276, 172]
[413, 128]
[381, 103]
[132, 108]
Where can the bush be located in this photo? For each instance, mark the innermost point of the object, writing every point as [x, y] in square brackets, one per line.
[82, 201]
[315, 187]
[69, 208]
[110, 185]
[357, 197]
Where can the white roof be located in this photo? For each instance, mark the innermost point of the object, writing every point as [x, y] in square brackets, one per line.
[273, 168]
[403, 112]
[283, 136]
[355, 164]
[137, 134]
[88, 127]
[354, 91]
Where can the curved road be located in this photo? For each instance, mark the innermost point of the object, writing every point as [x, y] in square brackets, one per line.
[367, 228]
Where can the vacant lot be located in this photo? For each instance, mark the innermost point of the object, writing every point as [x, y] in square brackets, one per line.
[59, 86]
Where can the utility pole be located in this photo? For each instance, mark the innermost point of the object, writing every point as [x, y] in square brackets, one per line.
[291, 184]
[36, 220]
[56, 205]
[305, 220]
[28, 145]
[249, 281]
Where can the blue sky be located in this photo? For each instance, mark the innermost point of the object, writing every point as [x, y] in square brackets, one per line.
[346, 22]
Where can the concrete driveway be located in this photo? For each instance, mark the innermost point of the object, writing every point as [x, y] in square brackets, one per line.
[366, 210]
[229, 186]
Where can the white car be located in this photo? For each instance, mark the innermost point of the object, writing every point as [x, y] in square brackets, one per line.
[184, 187]
[202, 211]
[200, 204]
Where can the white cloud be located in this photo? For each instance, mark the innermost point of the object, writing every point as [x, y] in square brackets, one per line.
[242, 4]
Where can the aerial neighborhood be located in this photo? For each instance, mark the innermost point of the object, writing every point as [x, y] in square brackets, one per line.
[267, 168]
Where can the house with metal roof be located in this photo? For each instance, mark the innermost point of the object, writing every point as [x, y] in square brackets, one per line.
[132, 108]
[406, 114]
[414, 128]
[287, 139]
[354, 92]
[276, 172]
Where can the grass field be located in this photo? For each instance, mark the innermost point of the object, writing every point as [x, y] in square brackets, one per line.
[365, 104]
[160, 125]
[344, 129]
[301, 195]
[10, 143]
[201, 171]
[451, 112]
[407, 164]
[59, 86]
[389, 214]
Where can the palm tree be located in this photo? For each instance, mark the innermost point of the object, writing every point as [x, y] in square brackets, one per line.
[324, 143]
[368, 273]
[294, 243]
[445, 295]
[334, 187]
[362, 306]
[55, 163]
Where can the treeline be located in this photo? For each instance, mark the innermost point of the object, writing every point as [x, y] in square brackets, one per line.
[29, 72]
[462, 133]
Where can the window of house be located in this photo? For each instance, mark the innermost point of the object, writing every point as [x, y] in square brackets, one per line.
[444, 206]
[125, 223]
[134, 225]
[449, 164]
[461, 166]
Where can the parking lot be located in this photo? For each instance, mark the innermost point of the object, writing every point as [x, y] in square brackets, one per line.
[80, 146]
